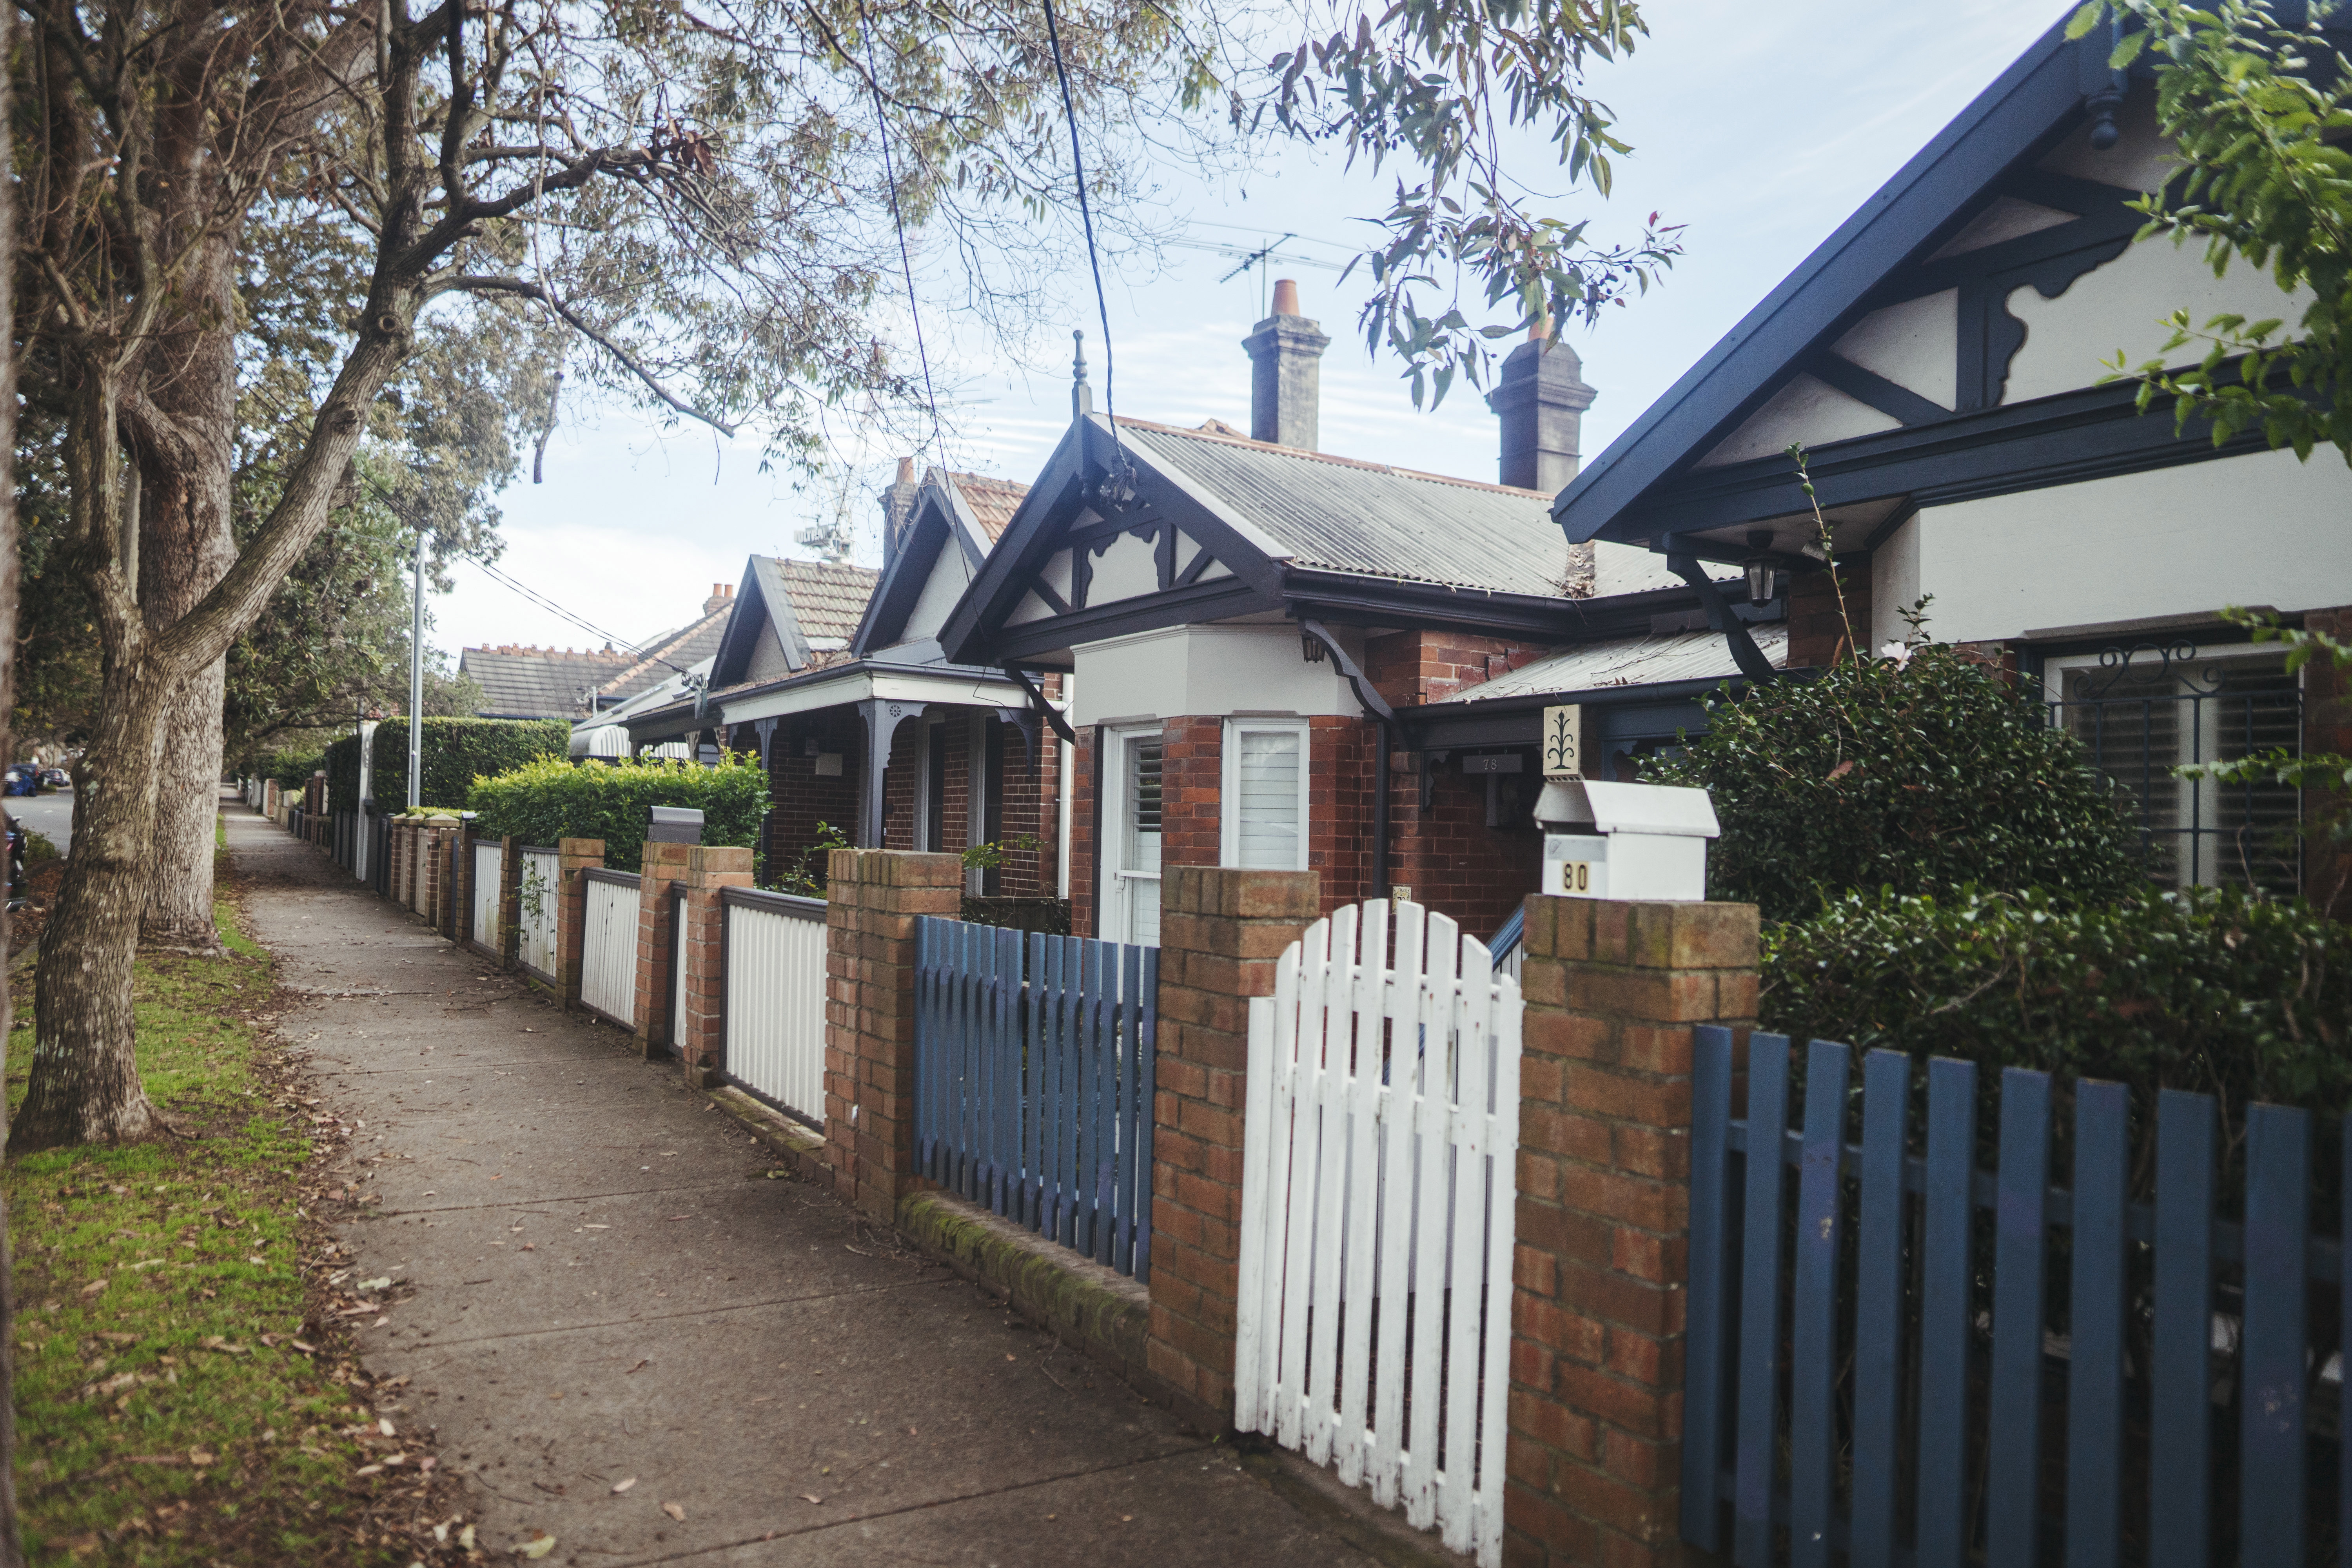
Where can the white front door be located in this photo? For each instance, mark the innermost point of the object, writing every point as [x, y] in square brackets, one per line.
[1131, 836]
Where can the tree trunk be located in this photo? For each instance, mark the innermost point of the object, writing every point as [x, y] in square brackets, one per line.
[12, 1545]
[85, 1084]
[183, 427]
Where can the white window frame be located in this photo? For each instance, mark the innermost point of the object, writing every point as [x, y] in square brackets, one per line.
[1119, 884]
[1229, 821]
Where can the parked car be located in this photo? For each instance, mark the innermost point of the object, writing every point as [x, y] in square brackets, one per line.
[56, 778]
[23, 778]
[19, 887]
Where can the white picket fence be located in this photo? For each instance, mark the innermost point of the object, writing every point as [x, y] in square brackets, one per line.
[775, 997]
[489, 855]
[1378, 1200]
[608, 947]
[540, 901]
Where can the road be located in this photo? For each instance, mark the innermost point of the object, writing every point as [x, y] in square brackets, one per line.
[50, 815]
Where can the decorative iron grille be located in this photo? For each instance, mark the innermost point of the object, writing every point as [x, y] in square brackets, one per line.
[2143, 711]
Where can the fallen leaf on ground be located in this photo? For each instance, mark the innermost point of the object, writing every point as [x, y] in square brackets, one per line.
[377, 1284]
[675, 1511]
[368, 1470]
[94, 1286]
[539, 1545]
[624, 1486]
[201, 1457]
[385, 1425]
[811, 1497]
[120, 1339]
[639, 1366]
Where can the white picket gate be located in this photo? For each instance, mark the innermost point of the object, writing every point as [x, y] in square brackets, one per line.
[775, 997]
[487, 885]
[608, 947]
[1379, 1193]
[541, 899]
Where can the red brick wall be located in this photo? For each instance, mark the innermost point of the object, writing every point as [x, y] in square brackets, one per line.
[798, 799]
[1816, 635]
[1416, 666]
[1447, 855]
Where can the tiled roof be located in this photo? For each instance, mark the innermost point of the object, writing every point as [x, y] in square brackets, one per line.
[666, 655]
[828, 600]
[992, 501]
[520, 682]
[1343, 515]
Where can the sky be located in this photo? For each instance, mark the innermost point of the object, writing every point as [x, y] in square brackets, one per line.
[1759, 128]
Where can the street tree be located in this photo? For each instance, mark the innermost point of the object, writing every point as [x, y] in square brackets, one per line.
[677, 190]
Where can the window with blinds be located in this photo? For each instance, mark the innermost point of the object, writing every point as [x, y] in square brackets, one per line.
[2141, 715]
[1265, 816]
[1135, 878]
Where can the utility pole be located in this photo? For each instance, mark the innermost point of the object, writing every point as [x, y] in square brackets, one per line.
[417, 684]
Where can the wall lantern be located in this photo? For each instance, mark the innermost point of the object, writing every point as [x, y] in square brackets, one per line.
[1763, 575]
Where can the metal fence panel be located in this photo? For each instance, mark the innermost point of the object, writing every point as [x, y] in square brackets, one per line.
[775, 947]
[608, 947]
[539, 889]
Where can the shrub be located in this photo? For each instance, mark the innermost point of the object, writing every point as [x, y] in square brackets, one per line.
[292, 769]
[457, 752]
[550, 799]
[342, 758]
[2207, 989]
[1922, 774]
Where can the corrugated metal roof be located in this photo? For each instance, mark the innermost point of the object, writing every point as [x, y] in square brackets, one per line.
[828, 600]
[1345, 515]
[1626, 662]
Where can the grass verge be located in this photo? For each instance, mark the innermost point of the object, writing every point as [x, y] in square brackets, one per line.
[184, 1394]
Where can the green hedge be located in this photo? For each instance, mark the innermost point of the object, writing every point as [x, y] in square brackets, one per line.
[343, 774]
[544, 801]
[2207, 989]
[1924, 775]
[459, 750]
[291, 769]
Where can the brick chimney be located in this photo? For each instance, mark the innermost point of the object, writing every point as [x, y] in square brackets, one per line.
[1541, 398]
[899, 509]
[1286, 353]
[721, 595]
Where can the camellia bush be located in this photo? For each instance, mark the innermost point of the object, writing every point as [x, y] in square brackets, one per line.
[551, 799]
[1920, 775]
[2207, 989]
[457, 752]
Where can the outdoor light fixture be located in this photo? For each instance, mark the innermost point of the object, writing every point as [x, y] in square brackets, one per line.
[1310, 647]
[1763, 576]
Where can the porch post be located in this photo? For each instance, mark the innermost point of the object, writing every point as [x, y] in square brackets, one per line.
[1613, 992]
[882, 721]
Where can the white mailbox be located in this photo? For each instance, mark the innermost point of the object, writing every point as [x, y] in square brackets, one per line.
[1625, 841]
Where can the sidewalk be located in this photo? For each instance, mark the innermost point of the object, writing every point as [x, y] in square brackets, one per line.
[598, 1279]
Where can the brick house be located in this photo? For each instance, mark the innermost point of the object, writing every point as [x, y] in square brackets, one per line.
[1256, 639]
[1941, 357]
[834, 675]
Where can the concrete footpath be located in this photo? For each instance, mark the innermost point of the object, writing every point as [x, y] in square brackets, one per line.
[598, 1281]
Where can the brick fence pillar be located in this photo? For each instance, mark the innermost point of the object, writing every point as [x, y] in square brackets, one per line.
[709, 868]
[872, 897]
[1221, 931]
[511, 902]
[664, 864]
[429, 853]
[1614, 991]
[572, 857]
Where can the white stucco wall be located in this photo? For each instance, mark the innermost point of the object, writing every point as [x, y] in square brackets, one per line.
[1805, 410]
[1214, 669]
[951, 575]
[1914, 344]
[2256, 530]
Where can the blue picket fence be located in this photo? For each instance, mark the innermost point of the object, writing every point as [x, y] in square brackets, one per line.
[1875, 1359]
[1034, 1064]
